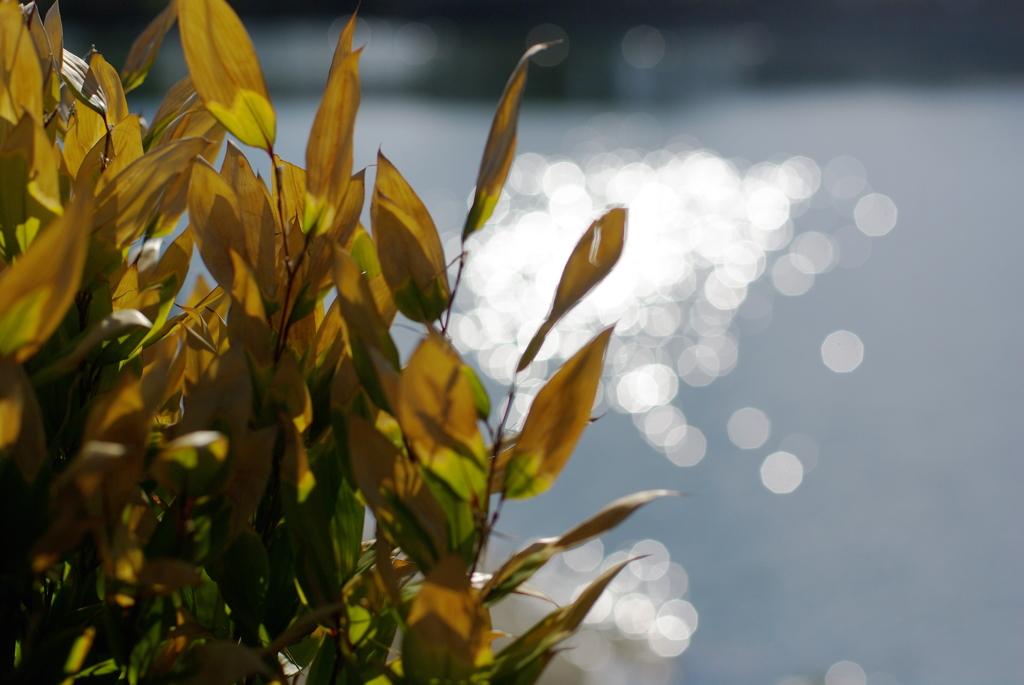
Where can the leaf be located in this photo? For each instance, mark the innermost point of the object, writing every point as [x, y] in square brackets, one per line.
[132, 199]
[30, 189]
[111, 326]
[83, 83]
[21, 79]
[480, 398]
[437, 412]
[362, 249]
[124, 147]
[247, 319]
[54, 28]
[21, 422]
[524, 563]
[257, 216]
[344, 47]
[85, 130]
[411, 257]
[358, 308]
[223, 65]
[556, 420]
[555, 627]
[401, 501]
[180, 98]
[449, 631]
[329, 150]
[38, 289]
[145, 48]
[194, 465]
[591, 260]
[110, 86]
[217, 221]
[242, 574]
[501, 146]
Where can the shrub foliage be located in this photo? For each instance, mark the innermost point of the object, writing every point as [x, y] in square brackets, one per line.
[183, 477]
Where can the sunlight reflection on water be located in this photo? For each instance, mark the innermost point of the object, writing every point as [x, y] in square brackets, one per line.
[701, 230]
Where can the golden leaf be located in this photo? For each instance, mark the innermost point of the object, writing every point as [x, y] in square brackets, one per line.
[125, 147]
[145, 48]
[130, 201]
[21, 79]
[257, 216]
[437, 412]
[449, 628]
[591, 260]
[38, 289]
[110, 85]
[180, 98]
[31, 193]
[83, 83]
[247, 319]
[329, 150]
[85, 129]
[358, 308]
[501, 146]
[411, 257]
[556, 420]
[344, 47]
[54, 28]
[362, 249]
[395, 491]
[226, 73]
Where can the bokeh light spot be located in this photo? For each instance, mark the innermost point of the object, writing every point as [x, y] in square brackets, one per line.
[749, 428]
[782, 473]
[842, 351]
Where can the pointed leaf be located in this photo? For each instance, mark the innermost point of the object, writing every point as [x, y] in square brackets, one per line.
[329, 150]
[591, 260]
[145, 48]
[21, 79]
[449, 629]
[83, 83]
[38, 289]
[524, 563]
[223, 65]
[437, 412]
[362, 249]
[501, 146]
[177, 100]
[54, 28]
[111, 326]
[556, 420]
[411, 257]
[358, 308]
[30, 190]
[110, 86]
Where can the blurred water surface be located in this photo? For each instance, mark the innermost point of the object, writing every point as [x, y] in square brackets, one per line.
[842, 403]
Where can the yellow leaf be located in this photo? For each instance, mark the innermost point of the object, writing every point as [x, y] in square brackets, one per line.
[21, 422]
[54, 28]
[83, 83]
[125, 147]
[411, 257]
[145, 48]
[449, 628]
[21, 79]
[437, 412]
[226, 73]
[362, 249]
[247, 319]
[501, 146]
[316, 269]
[85, 129]
[344, 47]
[358, 308]
[329, 150]
[132, 199]
[257, 216]
[174, 263]
[217, 222]
[288, 393]
[30, 191]
[110, 85]
[37, 291]
[556, 420]
[591, 260]
[181, 97]
[393, 488]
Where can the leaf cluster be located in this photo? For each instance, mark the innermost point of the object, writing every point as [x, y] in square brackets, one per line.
[184, 476]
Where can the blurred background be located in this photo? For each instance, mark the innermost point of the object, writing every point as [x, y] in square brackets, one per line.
[817, 310]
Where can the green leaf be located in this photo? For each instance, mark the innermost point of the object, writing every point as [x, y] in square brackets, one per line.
[501, 146]
[242, 574]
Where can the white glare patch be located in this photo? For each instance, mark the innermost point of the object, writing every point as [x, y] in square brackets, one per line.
[749, 428]
[782, 473]
[846, 673]
[842, 351]
[702, 233]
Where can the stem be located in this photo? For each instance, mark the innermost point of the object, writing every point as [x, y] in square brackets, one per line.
[488, 526]
[455, 291]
